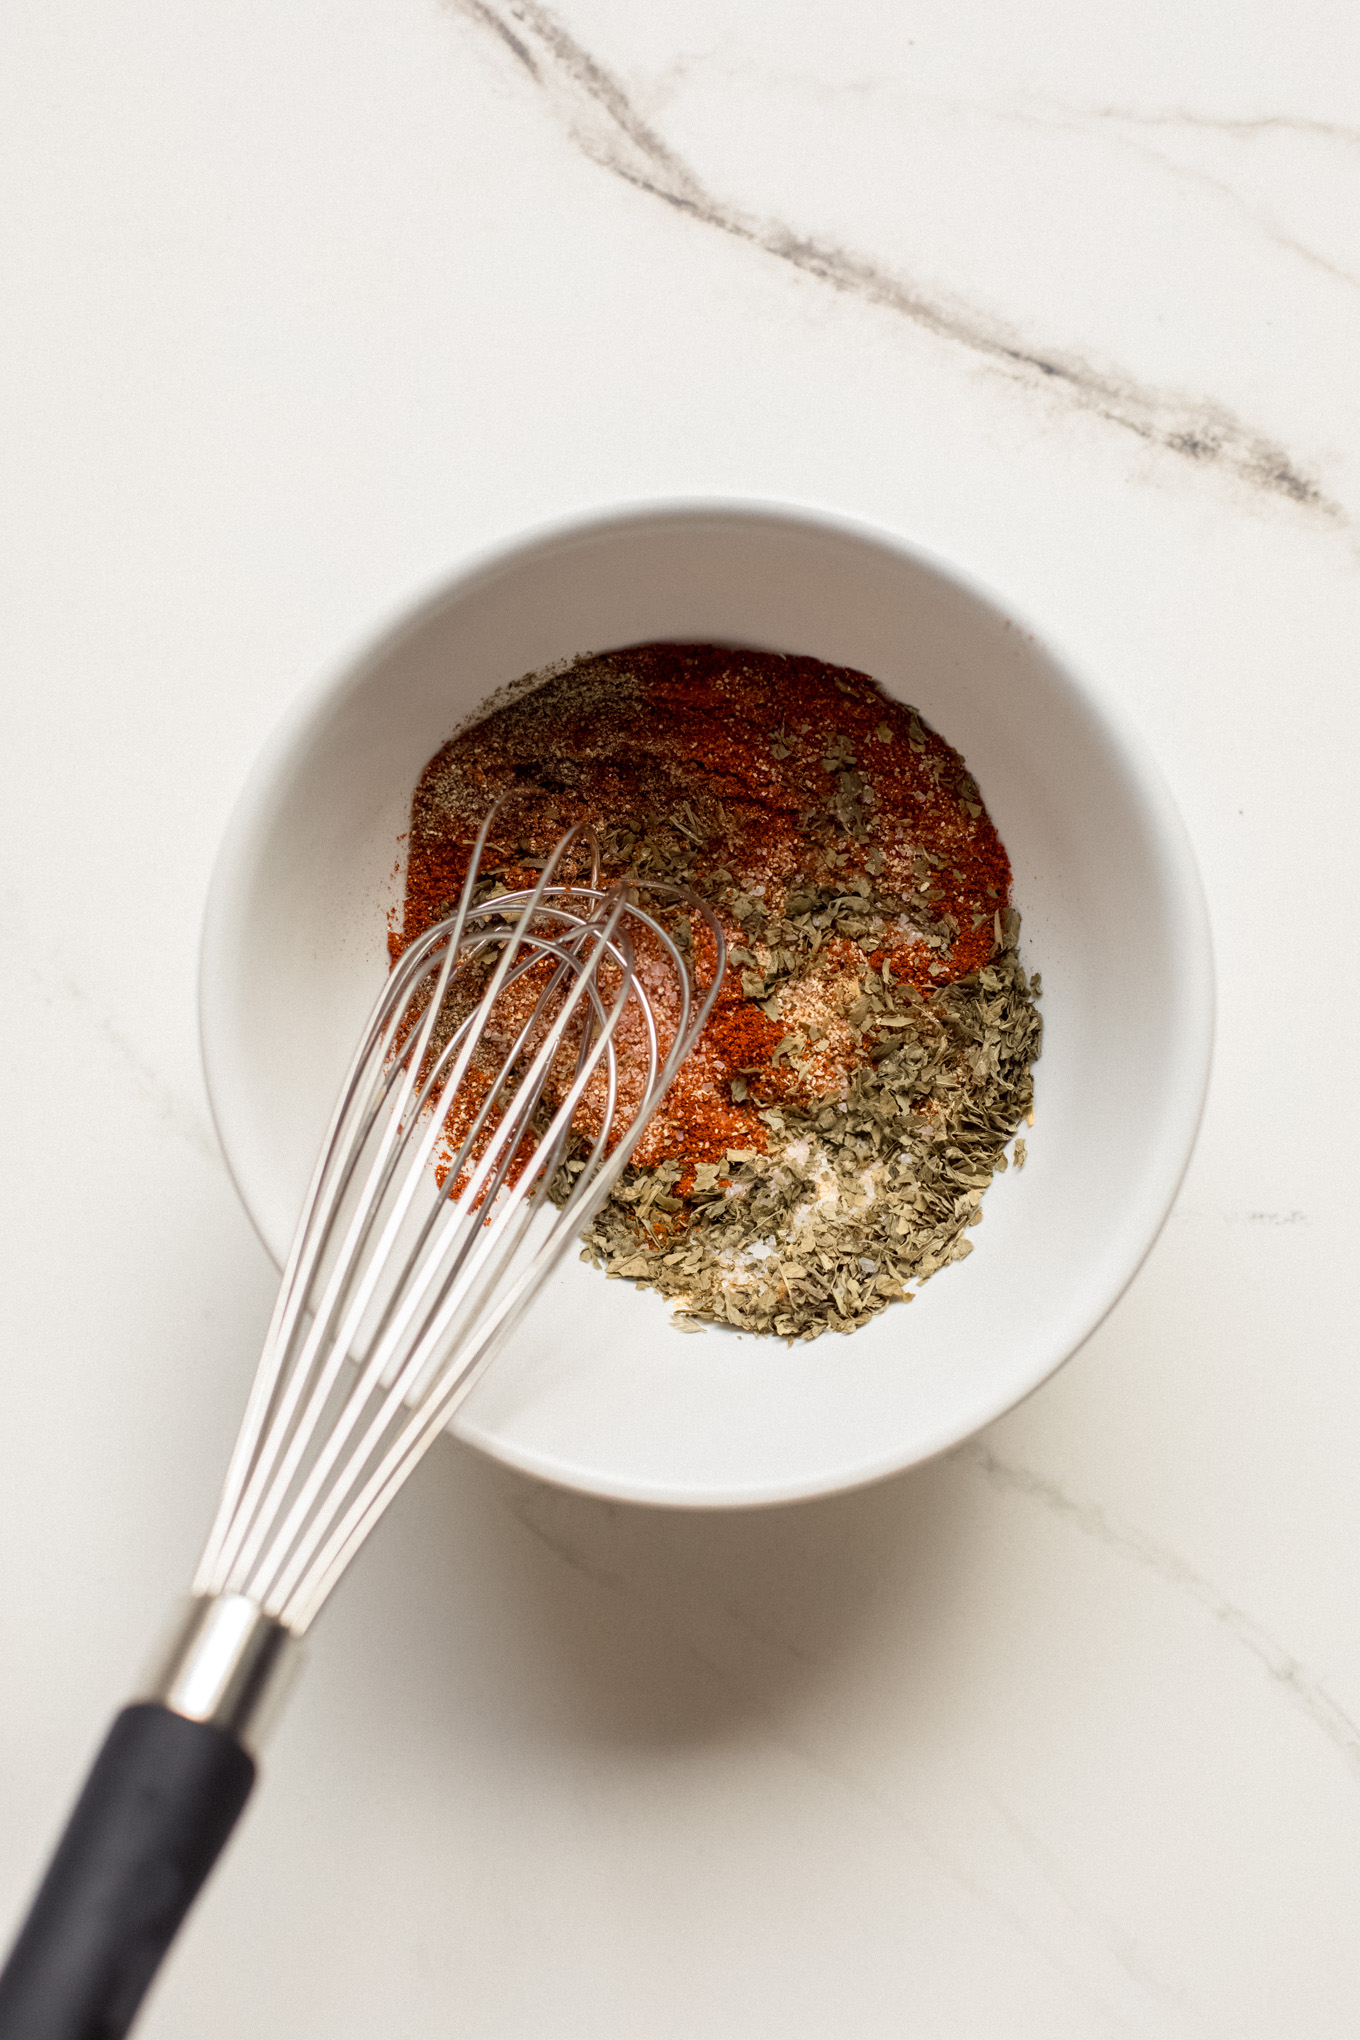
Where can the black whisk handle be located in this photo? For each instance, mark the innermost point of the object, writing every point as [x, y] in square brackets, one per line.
[161, 1799]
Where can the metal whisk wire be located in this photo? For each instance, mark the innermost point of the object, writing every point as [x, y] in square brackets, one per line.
[504, 1079]
[397, 1293]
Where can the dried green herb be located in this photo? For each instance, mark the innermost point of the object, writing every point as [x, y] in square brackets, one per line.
[868, 1191]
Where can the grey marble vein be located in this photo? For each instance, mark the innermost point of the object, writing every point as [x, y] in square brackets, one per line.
[1260, 216]
[1302, 1687]
[531, 1508]
[1244, 127]
[603, 122]
[175, 1112]
[1125, 1949]
[54, 982]
[946, 1860]
[527, 1509]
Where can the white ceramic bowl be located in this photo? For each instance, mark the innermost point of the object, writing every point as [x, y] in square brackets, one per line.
[598, 1391]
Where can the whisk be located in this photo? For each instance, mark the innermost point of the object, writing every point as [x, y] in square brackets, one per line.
[504, 1079]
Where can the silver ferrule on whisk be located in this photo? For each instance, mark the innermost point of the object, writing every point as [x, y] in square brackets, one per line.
[226, 1663]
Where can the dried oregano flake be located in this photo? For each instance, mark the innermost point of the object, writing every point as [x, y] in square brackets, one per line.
[866, 1192]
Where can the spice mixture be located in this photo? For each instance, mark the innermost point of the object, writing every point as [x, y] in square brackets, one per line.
[829, 1140]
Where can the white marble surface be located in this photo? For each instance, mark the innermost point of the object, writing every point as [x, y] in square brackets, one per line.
[1060, 1737]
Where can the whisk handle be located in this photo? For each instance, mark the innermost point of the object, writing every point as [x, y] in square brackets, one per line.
[161, 1799]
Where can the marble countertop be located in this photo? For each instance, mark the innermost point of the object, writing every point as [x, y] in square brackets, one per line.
[1059, 1737]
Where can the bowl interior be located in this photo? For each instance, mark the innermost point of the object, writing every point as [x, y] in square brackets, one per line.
[598, 1391]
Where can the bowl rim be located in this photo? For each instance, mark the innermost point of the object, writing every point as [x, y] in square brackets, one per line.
[227, 902]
